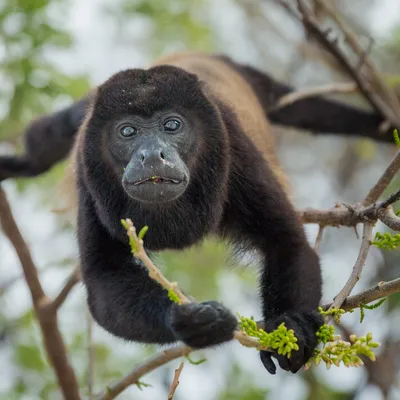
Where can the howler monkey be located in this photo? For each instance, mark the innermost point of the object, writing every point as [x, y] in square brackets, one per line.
[184, 147]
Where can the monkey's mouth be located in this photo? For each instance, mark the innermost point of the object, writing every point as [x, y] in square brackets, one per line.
[157, 180]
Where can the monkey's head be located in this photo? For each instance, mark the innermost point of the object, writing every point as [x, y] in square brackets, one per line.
[151, 127]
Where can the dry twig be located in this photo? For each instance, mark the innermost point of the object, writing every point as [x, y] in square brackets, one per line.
[358, 266]
[319, 237]
[383, 183]
[292, 97]
[90, 349]
[175, 382]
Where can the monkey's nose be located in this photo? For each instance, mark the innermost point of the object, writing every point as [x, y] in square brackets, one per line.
[152, 156]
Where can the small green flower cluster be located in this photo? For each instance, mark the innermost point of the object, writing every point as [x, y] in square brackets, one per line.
[281, 339]
[386, 241]
[325, 333]
[173, 296]
[336, 351]
[333, 312]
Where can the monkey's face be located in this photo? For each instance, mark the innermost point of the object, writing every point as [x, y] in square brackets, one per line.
[154, 130]
[152, 150]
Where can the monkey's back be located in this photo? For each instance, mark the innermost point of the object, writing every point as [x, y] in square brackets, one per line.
[233, 90]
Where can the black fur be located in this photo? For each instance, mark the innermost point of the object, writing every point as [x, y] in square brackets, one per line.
[231, 191]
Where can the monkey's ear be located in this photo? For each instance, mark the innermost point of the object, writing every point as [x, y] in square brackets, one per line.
[202, 84]
[194, 77]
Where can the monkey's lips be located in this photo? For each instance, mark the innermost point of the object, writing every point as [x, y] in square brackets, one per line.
[157, 180]
[155, 189]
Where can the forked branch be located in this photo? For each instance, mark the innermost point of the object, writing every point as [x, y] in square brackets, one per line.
[45, 312]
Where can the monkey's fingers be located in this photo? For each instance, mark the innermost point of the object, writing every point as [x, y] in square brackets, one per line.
[266, 358]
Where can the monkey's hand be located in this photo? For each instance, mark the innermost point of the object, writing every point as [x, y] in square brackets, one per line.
[305, 326]
[201, 325]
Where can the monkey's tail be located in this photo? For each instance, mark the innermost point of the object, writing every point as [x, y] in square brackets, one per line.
[48, 140]
[11, 166]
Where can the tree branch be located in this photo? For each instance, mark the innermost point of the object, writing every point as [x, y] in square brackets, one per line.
[382, 289]
[351, 215]
[358, 266]
[46, 315]
[175, 382]
[383, 181]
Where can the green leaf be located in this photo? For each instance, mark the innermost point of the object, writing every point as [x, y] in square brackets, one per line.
[201, 361]
[29, 357]
[143, 231]
[396, 137]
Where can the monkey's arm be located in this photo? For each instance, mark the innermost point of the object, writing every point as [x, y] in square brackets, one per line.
[128, 303]
[317, 114]
[290, 282]
[47, 141]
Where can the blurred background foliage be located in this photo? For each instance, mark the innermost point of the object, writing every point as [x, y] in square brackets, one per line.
[32, 36]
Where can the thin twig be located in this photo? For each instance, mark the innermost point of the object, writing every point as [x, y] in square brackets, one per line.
[90, 350]
[73, 279]
[319, 237]
[393, 198]
[358, 266]
[315, 91]
[46, 315]
[383, 181]
[175, 382]
[154, 272]
[142, 369]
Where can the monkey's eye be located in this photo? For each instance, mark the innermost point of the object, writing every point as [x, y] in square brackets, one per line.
[172, 125]
[128, 131]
